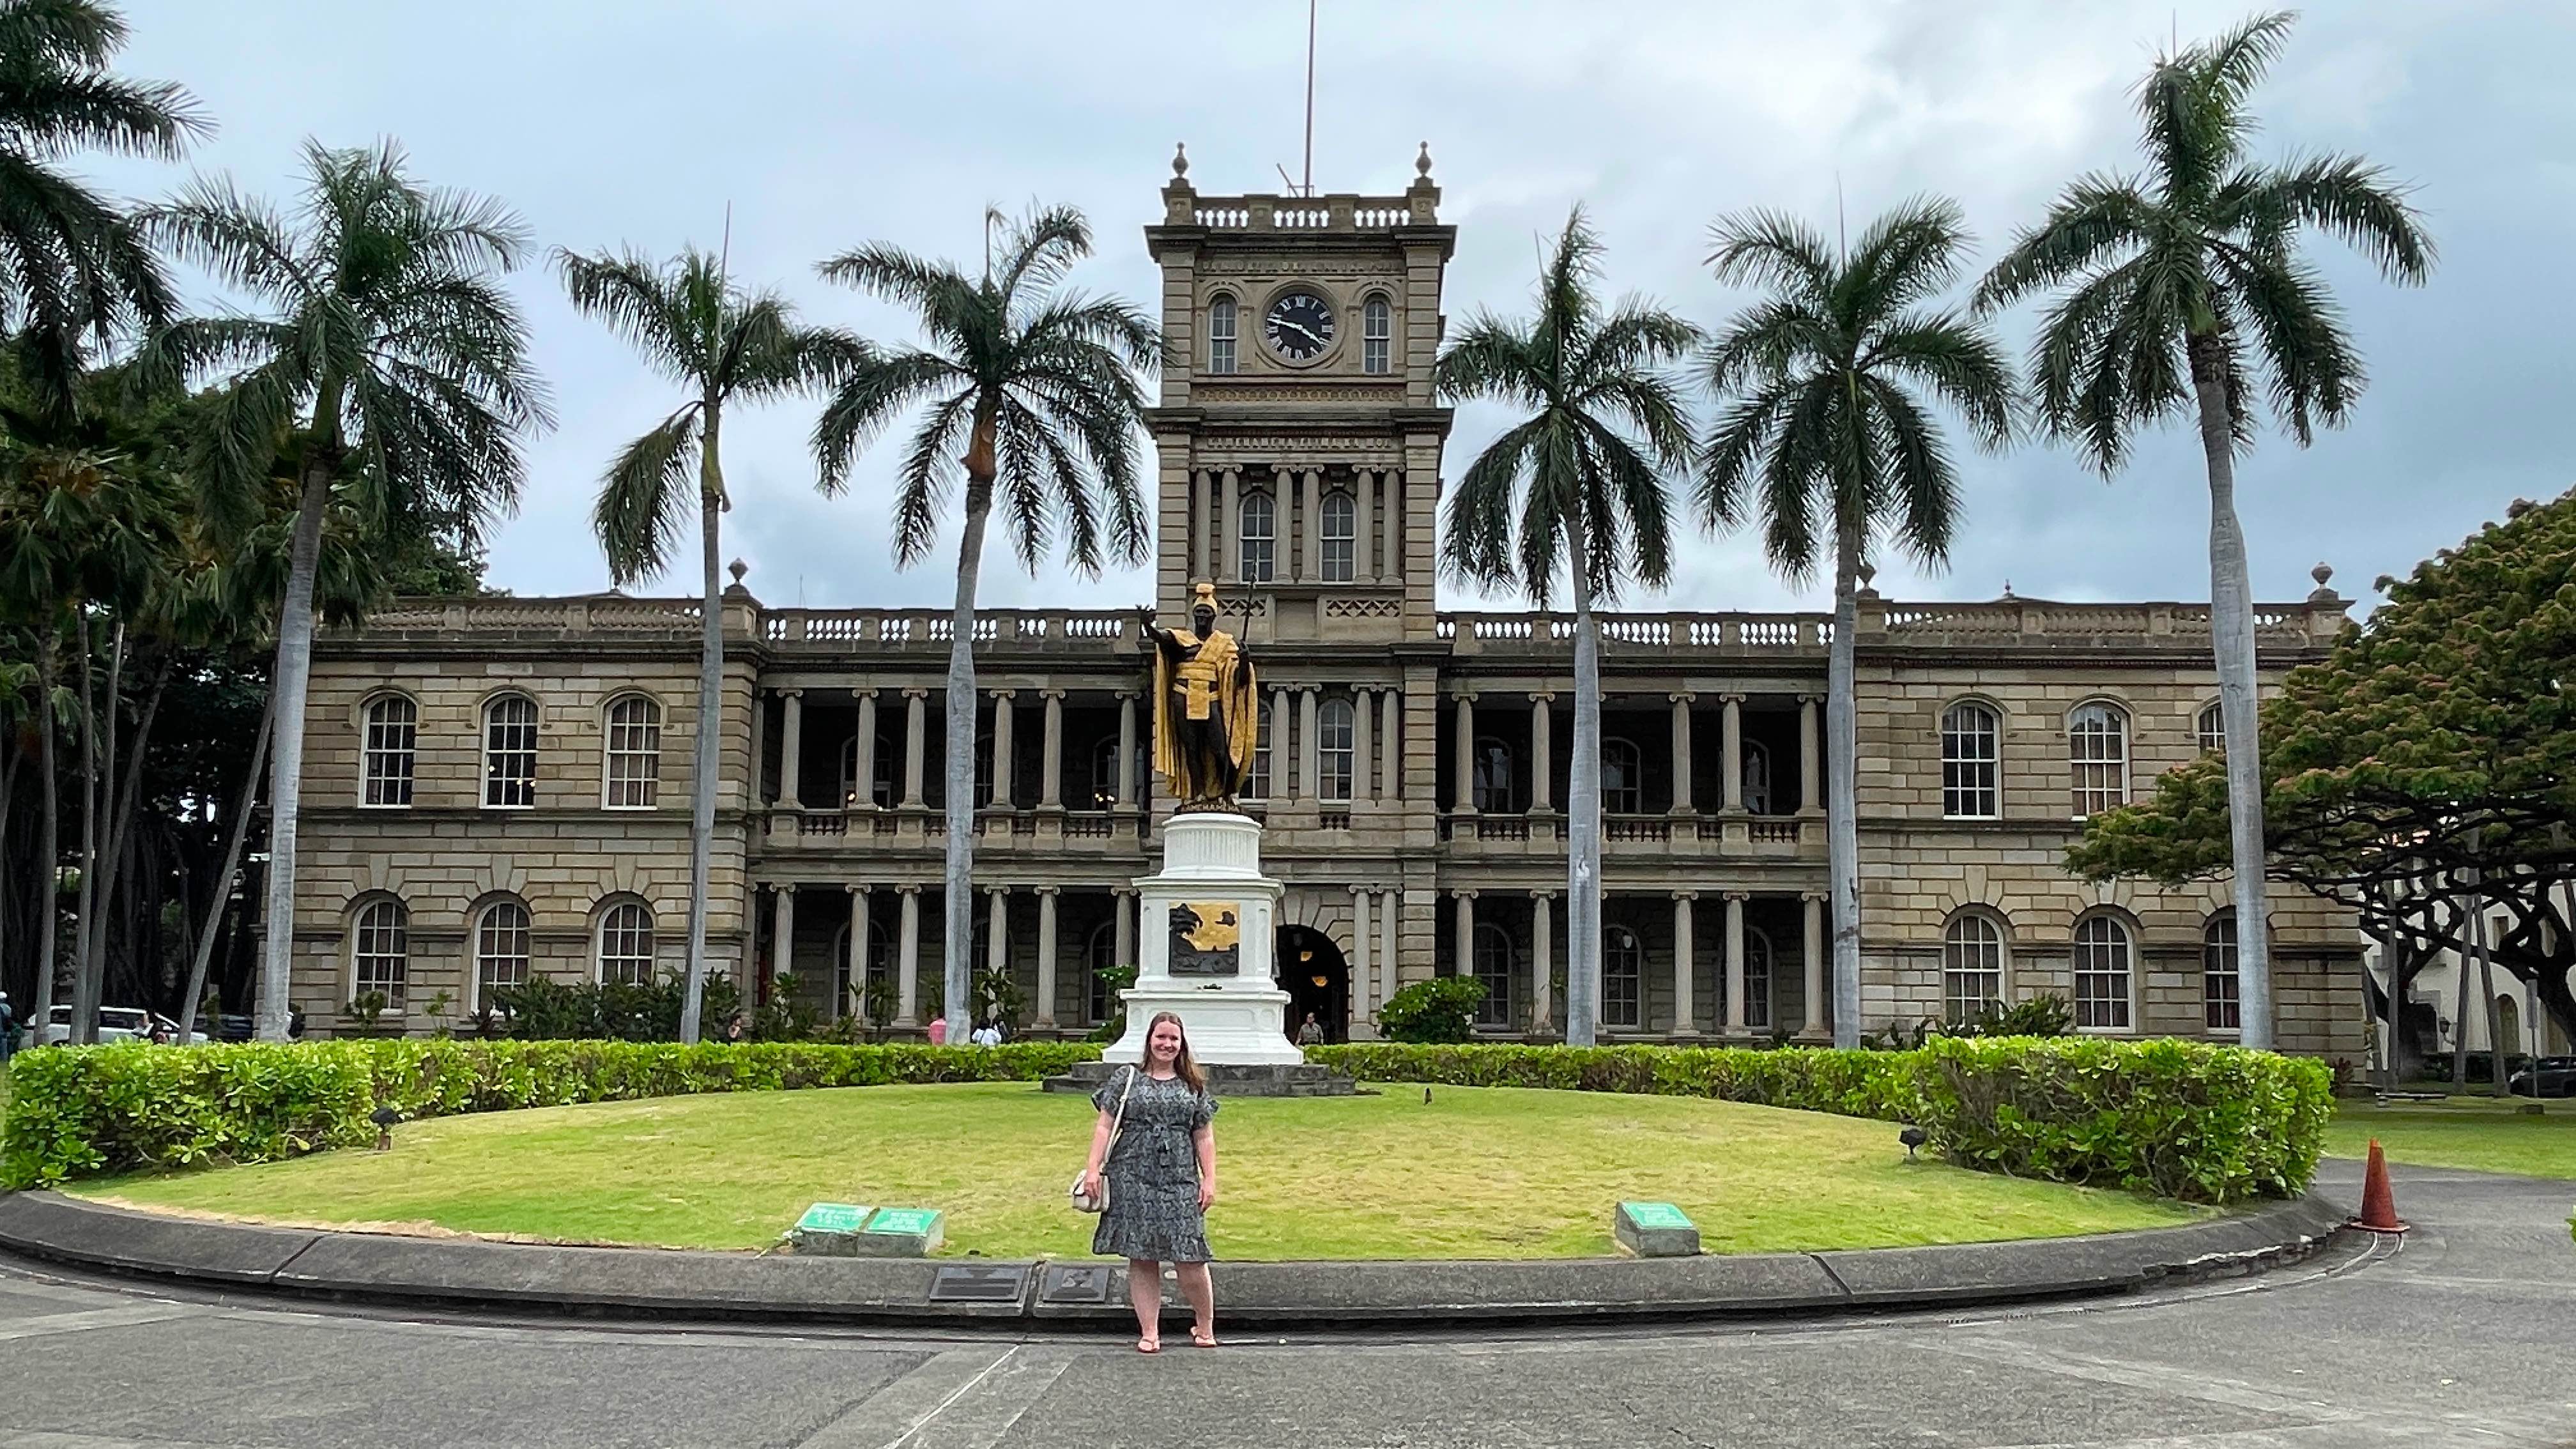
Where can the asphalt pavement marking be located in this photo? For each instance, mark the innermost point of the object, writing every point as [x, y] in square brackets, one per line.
[965, 1398]
[44, 1325]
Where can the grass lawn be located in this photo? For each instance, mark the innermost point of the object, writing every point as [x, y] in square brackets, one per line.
[1493, 1173]
[2472, 1132]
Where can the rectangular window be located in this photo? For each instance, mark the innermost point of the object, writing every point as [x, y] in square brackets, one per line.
[1333, 750]
[2102, 975]
[1221, 335]
[380, 953]
[1256, 781]
[1376, 330]
[2220, 988]
[1968, 760]
[510, 753]
[634, 754]
[393, 739]
[2097, 743]
[1623, 980]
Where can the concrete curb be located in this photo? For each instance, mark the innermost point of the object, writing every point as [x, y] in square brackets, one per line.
[637, 1282]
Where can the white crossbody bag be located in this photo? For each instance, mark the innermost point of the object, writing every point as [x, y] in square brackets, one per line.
[1085, 1202]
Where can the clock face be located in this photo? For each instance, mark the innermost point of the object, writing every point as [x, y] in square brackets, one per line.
[1300, 326]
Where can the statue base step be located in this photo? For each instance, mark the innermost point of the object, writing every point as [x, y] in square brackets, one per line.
[1282, 1079]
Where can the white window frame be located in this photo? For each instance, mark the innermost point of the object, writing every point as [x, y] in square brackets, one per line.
[1341, 525]
[2104, 950]
[1974, 972]
[1971, 782]
[1631, 764]
[2097, 756]
[639, 747]
[374, 939]
[1759, 960]
[1256, 780]
[389, 756]
[1262, 567]
[1619, 944]
[1335, 750]
[1223, 312]
[618, 916]
[2210, 725]
[510, 752]
[2222, 979]
[493, 942]
[1494, 961]
[1377, 336]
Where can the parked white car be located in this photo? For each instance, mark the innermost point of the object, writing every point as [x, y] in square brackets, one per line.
[115, 1023]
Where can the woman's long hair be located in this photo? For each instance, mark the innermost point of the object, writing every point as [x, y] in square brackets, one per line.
[1182, 1067]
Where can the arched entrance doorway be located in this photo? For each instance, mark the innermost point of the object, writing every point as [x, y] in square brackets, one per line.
[1317, 979]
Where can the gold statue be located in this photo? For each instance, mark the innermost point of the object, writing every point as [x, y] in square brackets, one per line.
[1207, 712]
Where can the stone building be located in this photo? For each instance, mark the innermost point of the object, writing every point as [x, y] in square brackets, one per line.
[499, 787]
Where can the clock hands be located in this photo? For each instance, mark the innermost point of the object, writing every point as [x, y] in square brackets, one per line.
[1286, 325]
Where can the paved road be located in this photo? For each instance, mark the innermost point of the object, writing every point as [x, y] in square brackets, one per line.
[2465, 1334]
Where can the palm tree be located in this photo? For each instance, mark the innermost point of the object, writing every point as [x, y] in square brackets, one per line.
[1580, 482]
[723, 345]
[1033, 393]
[386, 343]
[72, 266]
[1828, 436]
[2182, 291]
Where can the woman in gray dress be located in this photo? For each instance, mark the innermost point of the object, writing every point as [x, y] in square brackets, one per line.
[1161, 1178]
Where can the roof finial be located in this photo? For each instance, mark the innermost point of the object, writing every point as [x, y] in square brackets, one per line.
[1180, 159]
[1422, 162]
[737, 568]
[2322, 573]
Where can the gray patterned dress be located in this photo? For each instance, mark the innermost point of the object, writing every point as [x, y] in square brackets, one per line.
[1153, 1172]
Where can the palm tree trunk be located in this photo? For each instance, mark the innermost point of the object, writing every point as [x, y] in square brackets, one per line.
[84, 1024]
[710, 730]
[1842, 790]
[2231, 636]
[957, 950]
[49, 855]
[204, 954]
[287, 689]
[1582, 814]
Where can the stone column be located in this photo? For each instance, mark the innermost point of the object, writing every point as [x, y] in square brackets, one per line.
[782, 948]
[1812, 957]
[1391, 751]
[1682, 751]
[1283, 760]
[907, 958]
[791, 748]
[1363, 542]
[1309, 759]
[1051, 770]
[1735, 963]
[1203, 520]
[1122, 934]
[1363, 758]
[916, 723]
[1002, 747]
[1390, 539]
[1230, 542]
[1311, 536]
[1466, 929]
[1685, 947]
[1045, 1019]
[1542, 751]
[1732, 759]
[1126, 750]
[1386, 912]
[858, 953]
[864, 758]
[1465, 803]
[997, 946]
[1363, 1006]
[1811, 765]
[1542, 962]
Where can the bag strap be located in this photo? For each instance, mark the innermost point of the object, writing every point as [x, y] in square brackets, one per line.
[1118, 1124]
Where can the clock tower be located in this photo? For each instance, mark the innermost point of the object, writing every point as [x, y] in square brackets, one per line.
[1298, 436]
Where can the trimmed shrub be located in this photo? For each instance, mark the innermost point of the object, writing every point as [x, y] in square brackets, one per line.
[1809, 1079]
[82, 1112]
[1442, 1009]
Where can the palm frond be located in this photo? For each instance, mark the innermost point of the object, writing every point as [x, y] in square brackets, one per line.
[646, 500]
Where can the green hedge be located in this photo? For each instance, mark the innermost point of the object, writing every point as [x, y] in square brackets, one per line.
[81, 1112]
[2181, 1119]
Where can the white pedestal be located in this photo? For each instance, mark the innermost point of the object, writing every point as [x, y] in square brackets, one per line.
[1205, 935]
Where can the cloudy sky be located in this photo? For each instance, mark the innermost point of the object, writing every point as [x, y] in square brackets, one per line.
[826, 123]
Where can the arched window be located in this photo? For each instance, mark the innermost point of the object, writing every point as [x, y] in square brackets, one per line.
[2220, 987]
[1969, 761]
[1377, 333]
[1494, 964]
[1496, 781]
[1221, 335]
[2211, 726]
[1757, 979]
[626, 944]
[1972, 966]
[1256, 781]
[380, 951]
[1334, 749]
[850, 996]
[2102, 974]
[2097, 747]
[880, 784]
[1623, 978]
[1757, 778]
[392, 749]
[1099, 958]
[634, 753]
[500, 949]
[510, 752]
[1341, 534]
[1258, 534]
[1104, 774]
[1623, 778]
